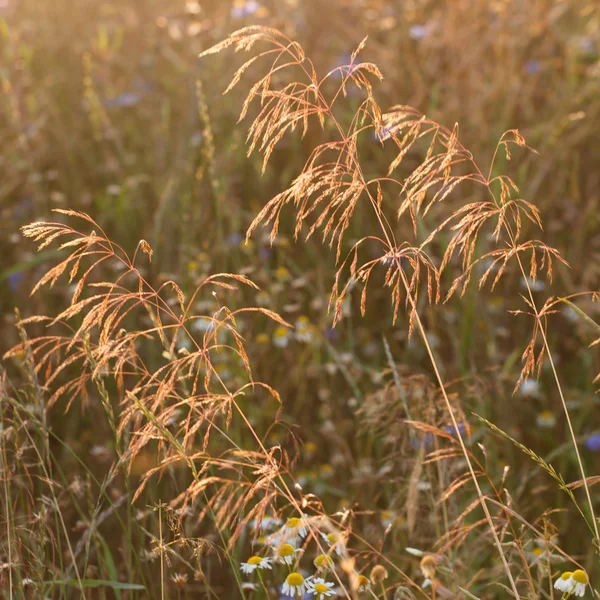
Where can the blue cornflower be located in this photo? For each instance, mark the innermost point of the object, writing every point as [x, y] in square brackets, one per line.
[14, 280]
[593, 442]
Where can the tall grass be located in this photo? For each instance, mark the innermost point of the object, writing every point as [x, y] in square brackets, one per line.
[190, 475]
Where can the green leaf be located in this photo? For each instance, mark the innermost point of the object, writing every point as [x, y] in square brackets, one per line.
[94, 583]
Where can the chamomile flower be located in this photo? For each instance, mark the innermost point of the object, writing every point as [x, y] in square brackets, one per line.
[320, 588]
[255, 562]
[564, 583]
[295, 527]
[580, 580]
[323, 561]
[336, 541]
[363, 585]
[294, 585]
[285, 553]
[546, 419]
[281, 337]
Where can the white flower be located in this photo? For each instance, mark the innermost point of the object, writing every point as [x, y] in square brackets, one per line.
[295, 527]
[529, 387]
[564, 583]
[285, 553]
[294, 585]
[320, 588]
[281, 337]
[255, 562]
[304, 330]
[335, 540]
[362, 584]
[546, 419]
[580, 580]
[265, 523]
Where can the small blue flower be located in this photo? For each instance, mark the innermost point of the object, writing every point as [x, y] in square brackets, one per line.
[593, 442]
[418, 32]
[15, 279]
[244, 10]
[123, 100]
[452, 431]
[331, 334]
[532, 67]
[235, 239]
[424, 442]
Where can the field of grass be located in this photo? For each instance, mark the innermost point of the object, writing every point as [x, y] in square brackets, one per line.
[331, 333]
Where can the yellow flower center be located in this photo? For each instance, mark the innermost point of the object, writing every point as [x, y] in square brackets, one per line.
[537, 551]
[255, 560]
[566, 575]
[293, 523]
[295, 579]
[321, 588]
[331, 538]
[323, 561]
[286, 550]
[362, 581]
[580, 577]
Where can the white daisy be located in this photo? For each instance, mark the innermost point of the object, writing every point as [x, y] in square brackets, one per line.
[294, 585]
[564, 583]
[335, 540]
[580, 580]
[323, 561]
[320, 588]
[255, 562]
[295, 528]
[285, 553]
[363, 584]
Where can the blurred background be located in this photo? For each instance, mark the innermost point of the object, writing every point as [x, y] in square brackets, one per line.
[105, 108]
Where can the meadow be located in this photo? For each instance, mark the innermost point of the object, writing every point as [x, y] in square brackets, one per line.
[299, 300]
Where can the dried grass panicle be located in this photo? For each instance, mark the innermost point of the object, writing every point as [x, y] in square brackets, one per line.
[332, 183]
[178, 403]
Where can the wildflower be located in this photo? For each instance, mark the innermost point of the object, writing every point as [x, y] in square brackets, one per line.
[243, 9]
[593, 442]
[286, 553]
[580, 579]
[536, 554]
[281, 337]
[529, 387]
[532, 67]
[418, 32]
[546, 419]
[378, 574]
[125, 99]
[564, 583]
[310, 448]
[295, 585]
[336, 541]
[462, 428]
[534, 284]
[320, 588]
[282, 274]
[326, 470]
[262, 338]
[179, 579]
[266, 522]
[14, 280]
[428, 566]
[304, 329]
[255, 562]
[323, 561]
[362, 584]
[296, 527]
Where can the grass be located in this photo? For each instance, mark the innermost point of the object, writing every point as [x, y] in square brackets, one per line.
[390, 388]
